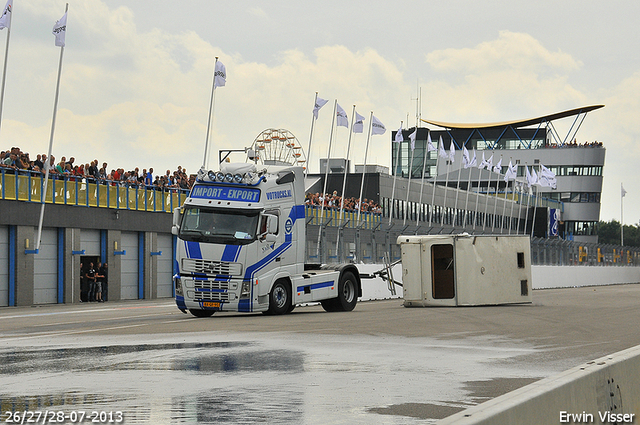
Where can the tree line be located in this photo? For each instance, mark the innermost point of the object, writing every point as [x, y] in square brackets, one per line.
[609, 233]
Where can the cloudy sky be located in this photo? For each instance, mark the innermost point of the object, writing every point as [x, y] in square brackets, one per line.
[136, 76]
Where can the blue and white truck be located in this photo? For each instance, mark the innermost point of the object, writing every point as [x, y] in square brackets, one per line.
[241, 246]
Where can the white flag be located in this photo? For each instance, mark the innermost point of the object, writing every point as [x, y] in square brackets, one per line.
[512, 172]
[474, 161]
[547, 177]
[498, 167]
[490, 162]
[430, 145]
[441, 152]
[358, 125]
[341, 116]
[376, 126]
[319, 104]
[412, 137]
[465, 157]
[532, 178]
[399, 137]
[452, 152]
[60, 30]
[622, 191]
[220, 75]
[5, 19]
[484, 162]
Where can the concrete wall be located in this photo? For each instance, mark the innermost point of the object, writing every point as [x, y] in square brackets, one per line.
[544, 277]
[606, 385]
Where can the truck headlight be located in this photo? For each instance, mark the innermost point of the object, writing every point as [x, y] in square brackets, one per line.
[245, 291]
[178, 285]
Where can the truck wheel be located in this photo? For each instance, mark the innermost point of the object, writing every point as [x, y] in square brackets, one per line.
[329, 305]
[202, 313]
[279, 298]
[347, 292]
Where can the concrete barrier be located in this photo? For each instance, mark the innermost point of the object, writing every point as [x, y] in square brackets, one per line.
[604, 391]
[546, 277]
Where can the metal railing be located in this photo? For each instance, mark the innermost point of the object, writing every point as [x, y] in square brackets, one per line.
[83, 191]
[557, 252]
[348, 219]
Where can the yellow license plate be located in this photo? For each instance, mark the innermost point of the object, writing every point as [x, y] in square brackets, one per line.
[210, 304]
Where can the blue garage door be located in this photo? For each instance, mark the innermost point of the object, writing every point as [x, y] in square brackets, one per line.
[4, 266]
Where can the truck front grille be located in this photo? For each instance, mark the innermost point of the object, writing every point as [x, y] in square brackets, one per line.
[192, 265]
[206, 285]
[214, 296]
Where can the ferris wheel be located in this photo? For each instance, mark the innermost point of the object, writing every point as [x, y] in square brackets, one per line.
[278, 147]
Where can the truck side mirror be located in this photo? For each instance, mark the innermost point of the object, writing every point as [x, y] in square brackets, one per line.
[272, 224]
[175, 228]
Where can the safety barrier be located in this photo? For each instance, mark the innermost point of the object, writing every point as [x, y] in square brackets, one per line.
[348, 219]
[605, 391]
[558, 252]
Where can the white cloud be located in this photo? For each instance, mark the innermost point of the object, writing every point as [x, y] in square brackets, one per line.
[512, 73]
[141, 98]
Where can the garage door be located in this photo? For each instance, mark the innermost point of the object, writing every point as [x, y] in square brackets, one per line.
[165, 266]
[45, 267]
[129, 266]
[4, 266]
[90, 242]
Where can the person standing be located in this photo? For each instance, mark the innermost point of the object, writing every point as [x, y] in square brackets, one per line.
[104, 272]
[84, 290]
[99, 279]
[91, 278]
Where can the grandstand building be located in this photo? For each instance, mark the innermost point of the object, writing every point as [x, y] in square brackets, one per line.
[531, 143]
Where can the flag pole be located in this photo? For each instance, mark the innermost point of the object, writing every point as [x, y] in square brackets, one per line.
[466, 204]
[504, 203]
[424, 166]
[455, 204]
[326, 176]
[483, 163]
[53, 126]
[486, 205]
[495, 205]
[435, 185]
[512, 198]
[526, 214]
[346, 170]
[535, 207]
[4, 69]
[212, 104]
[519, 186]
[446, 186]
[395, 175]
[364, 167]
[409, 185]
[622, 193]
[313, 120]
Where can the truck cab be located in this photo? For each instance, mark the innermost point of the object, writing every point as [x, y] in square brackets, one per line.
[241, 240]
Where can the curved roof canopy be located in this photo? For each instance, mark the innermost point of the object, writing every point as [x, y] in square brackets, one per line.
[518, 123]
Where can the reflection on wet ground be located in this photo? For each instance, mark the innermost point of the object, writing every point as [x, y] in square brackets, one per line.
[178, 357]
[255, 378]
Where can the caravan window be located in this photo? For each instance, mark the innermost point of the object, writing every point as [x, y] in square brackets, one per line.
[442, 270]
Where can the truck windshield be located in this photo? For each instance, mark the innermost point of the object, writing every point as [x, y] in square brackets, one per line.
[235, 227]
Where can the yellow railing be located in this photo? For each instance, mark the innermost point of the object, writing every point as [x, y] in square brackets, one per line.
[368, 220]
[83, 192]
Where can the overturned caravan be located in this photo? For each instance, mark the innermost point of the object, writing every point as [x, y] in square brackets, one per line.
[465, 270]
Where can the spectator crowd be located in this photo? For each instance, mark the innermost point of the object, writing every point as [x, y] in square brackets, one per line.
[333, 201]
[18, 161]
[575, 144]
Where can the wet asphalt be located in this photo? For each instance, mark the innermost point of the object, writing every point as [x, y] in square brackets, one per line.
[146, 362]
